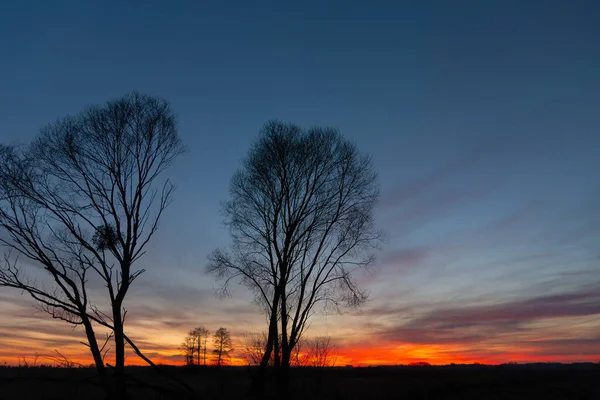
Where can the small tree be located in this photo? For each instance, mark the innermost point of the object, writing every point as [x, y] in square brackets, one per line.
[194, 346]
[254, 345]
[320, 352]
[222, 346]
[188, 348]
[200, 336]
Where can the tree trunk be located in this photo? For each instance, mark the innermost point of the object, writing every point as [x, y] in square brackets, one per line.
[198, 351]
[283, 373]
[100, 367]
[119, 352]
[91, 337]
[258, 383]
[286, 351]
[284, 336]
[286, 356]
[271, 337]
[276, 349]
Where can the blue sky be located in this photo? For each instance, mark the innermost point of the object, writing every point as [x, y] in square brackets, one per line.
[481, 117]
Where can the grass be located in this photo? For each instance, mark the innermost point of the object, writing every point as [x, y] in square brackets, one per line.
[543, 381]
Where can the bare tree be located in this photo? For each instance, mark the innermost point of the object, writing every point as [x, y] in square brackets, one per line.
[223, 346]
[23, 222]
[254, 345]
[188, 348]
[87, 196]
[194, 346]
[301, 219]
[200, 335]
[320, 352]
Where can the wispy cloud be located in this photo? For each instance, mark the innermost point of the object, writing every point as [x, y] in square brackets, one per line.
[524, 325]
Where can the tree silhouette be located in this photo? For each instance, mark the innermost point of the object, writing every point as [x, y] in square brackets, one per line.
[188, 347]
[320, 352]
[253, 345]
[194, 345]
[300, 216]
[222, 346]
[200, 336]
[86, 197]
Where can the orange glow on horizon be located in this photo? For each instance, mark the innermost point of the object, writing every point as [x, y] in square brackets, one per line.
[439, 355]
[356, 356]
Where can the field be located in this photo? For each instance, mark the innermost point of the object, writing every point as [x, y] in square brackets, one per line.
[532, 381]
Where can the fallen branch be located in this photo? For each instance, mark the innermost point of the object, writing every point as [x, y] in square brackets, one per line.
[141, 355]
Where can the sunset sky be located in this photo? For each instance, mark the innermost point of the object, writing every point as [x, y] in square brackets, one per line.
[482, 118]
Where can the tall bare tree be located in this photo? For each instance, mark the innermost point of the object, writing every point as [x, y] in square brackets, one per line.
[300, 216]
[87, 196]
[222, 346]
[65, 296]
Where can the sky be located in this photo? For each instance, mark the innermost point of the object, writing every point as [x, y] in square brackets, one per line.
[481, 119]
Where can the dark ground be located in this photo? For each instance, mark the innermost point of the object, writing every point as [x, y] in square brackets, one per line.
[532, 381]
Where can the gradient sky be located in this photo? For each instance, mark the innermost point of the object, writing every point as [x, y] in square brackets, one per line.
[482, 118]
